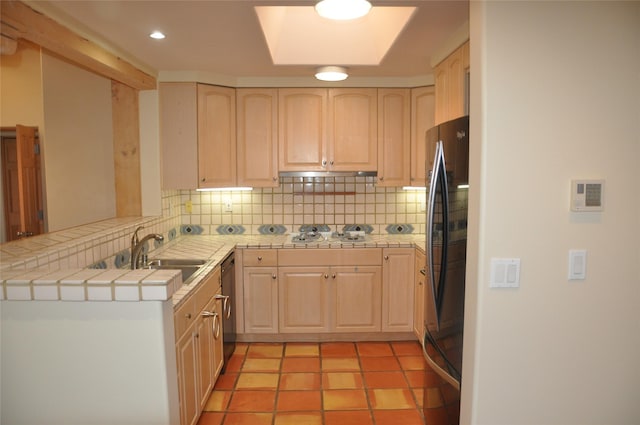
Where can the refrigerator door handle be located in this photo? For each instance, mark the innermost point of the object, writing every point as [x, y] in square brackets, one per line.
[438, 177]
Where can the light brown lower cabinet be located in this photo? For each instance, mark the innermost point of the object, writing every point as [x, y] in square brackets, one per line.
[418, 295]
[397, 289]
[260, 299]
[199, 351]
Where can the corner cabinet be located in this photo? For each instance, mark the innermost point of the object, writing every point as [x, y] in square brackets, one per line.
[394, 137]
[199, 352]
[423, 104]
[197, 135]
[327, 129]
[257, 137]
[452, 85]
[397, 289]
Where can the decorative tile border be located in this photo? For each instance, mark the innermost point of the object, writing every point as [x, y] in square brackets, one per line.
[399, 229]
[230, 229]
[366, 228]
[272, 229]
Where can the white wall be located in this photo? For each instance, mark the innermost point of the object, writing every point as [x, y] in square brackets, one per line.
[78, 145]
[78, 363]
[555, 96]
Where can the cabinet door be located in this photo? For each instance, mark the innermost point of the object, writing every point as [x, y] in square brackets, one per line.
[394, 137]
[418, 295]
[303, 299]
[423, 102]
[455, 69]
[187, 384]
[216, 136]
[357, 298]
[217, 341]
[178, 135]
[352, 139]
[257, 137]
[397, 289]
[302, 119]
[205, 350]
[260, 300]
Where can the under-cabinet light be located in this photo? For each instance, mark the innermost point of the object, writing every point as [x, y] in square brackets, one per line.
[224, 189]
[414, 188]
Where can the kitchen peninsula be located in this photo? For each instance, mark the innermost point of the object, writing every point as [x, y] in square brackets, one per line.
[84, 340]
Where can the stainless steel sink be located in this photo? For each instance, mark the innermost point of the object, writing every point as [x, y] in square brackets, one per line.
[187, 266]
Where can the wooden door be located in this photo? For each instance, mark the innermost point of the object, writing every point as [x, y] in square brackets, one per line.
[352, 141]
[422, 119]
[302, 130]
[357, 298]
[394, 137]
[216, 136]
[22, 181]
[397, 289]
[303, 295]
[257, 130]
[260, 300]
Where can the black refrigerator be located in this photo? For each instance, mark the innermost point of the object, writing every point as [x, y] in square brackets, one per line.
[446, 248]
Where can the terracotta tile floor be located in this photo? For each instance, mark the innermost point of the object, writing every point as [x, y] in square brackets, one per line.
[335, 383]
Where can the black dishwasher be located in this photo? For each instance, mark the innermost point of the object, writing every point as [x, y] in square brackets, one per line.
[228, 270]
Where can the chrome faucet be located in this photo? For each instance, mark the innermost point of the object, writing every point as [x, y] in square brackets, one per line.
[138, 245]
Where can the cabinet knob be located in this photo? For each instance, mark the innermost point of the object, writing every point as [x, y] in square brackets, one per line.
[326, 276]
[188, 315]
[202, 179]
[333, 276]
[273, 276]
[331, 162]
[324, 162]
[381, 178]
[275, 179]
[259, 258]
[386, 258]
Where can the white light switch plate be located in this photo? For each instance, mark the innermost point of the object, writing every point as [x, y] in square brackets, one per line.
[505, 273]
[577, 264]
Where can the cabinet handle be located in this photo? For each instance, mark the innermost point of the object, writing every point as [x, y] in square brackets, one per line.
[386, 258]
[273, 276]
[381, 178]
[259, 258]
[216, 326]
[324, 162]
[275, 179]
[326, 276]
[226, 305]
[202, 180]
[188, 315]
[331, 162]
[423, 272]
[333, 276]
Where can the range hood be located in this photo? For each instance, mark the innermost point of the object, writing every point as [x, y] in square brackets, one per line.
[328, 173]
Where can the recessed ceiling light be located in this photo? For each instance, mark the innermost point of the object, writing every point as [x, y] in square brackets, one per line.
[157, 35]
[343, 9]
[331, 73]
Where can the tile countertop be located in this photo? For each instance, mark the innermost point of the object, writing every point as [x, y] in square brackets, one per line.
[79, 284]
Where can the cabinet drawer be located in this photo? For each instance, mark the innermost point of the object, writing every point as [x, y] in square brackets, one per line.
[330, 257]
[184, 316]
[207, 289]
[260, 257]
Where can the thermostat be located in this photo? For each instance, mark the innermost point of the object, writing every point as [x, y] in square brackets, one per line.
[587, 195]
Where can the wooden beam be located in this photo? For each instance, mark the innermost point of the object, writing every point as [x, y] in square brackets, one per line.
[21, 21]
[126, 150]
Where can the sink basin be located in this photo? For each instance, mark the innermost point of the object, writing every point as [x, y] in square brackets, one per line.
[187, 266]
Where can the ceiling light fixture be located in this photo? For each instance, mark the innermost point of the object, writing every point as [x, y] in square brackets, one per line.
[343, 10]
[157, 35]
[331, 73]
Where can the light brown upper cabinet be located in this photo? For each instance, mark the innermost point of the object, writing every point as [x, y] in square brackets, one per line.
[257, 132]
[451, 85]
[327, 129]
[198, 135]
[394, 150]
[422, 119]
[216, 136]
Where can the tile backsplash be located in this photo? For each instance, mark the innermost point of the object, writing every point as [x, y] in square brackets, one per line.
[334, 201]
